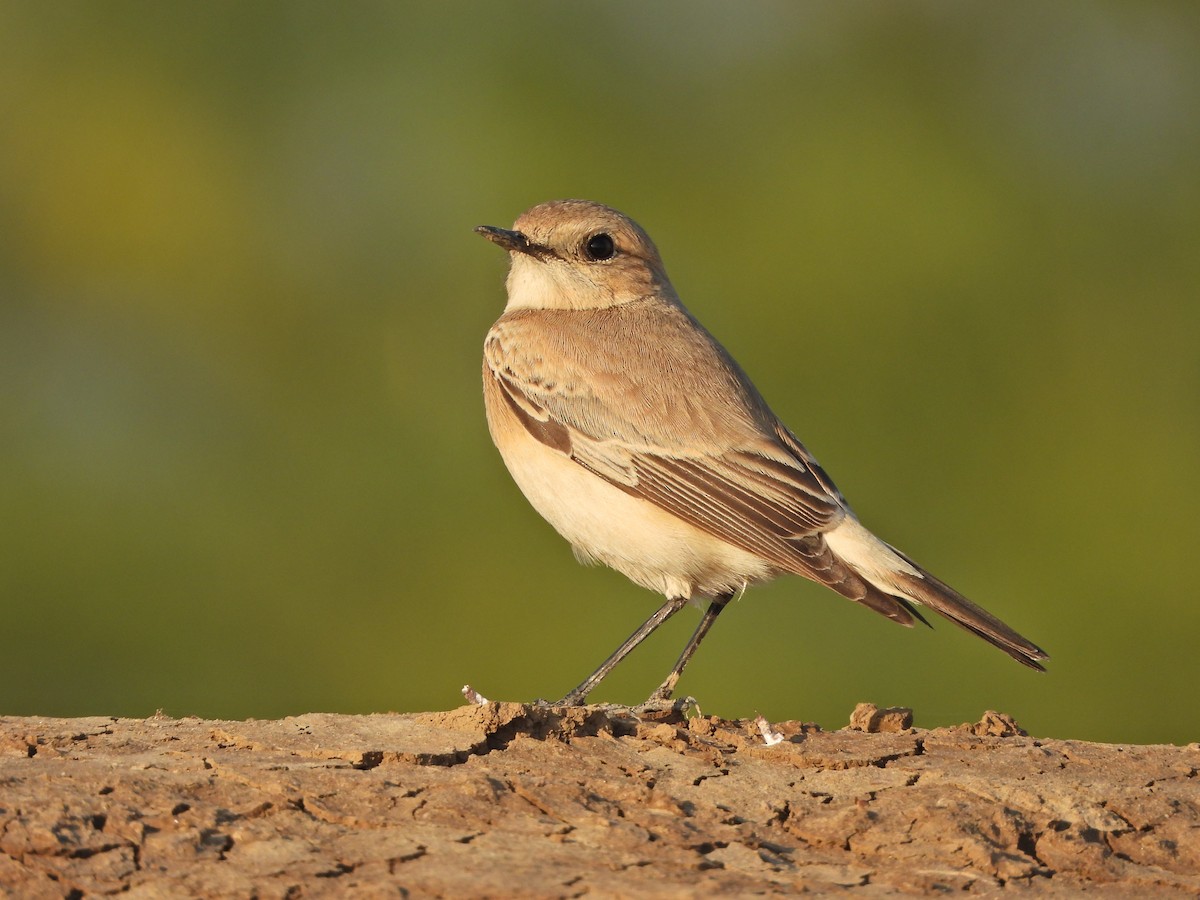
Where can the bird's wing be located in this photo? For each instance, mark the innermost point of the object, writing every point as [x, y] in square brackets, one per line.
[707, 451]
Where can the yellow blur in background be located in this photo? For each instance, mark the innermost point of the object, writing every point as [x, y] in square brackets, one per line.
[244, 469]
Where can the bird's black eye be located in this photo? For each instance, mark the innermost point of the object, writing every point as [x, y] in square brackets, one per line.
[600, 247]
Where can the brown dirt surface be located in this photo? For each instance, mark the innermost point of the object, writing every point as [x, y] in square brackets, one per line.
[507, 799]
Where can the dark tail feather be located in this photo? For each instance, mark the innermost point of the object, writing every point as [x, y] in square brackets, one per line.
[947, 602]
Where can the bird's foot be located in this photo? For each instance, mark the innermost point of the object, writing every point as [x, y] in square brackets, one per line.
[656, 707]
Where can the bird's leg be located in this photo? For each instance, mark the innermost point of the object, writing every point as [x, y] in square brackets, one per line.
[710, 615]
[668, 609]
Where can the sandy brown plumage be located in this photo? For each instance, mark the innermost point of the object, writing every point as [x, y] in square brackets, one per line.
[632, 430]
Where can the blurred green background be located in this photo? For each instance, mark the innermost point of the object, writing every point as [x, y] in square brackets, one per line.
[245, 465]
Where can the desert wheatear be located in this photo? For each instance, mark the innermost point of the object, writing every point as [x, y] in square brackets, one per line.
[636, 435]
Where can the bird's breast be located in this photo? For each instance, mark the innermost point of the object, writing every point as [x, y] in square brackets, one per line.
[604, 524]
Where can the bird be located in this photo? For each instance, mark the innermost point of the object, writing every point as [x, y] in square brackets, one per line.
[636, 435]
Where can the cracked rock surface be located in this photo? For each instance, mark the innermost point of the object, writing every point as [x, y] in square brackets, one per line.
[507, 799]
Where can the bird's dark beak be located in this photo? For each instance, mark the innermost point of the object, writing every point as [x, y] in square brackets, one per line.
[502, 237]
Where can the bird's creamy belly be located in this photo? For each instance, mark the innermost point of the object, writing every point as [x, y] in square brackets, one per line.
[605, 524]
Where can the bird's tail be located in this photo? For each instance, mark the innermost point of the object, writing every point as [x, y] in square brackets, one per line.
[895, 575]
[949, 603]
